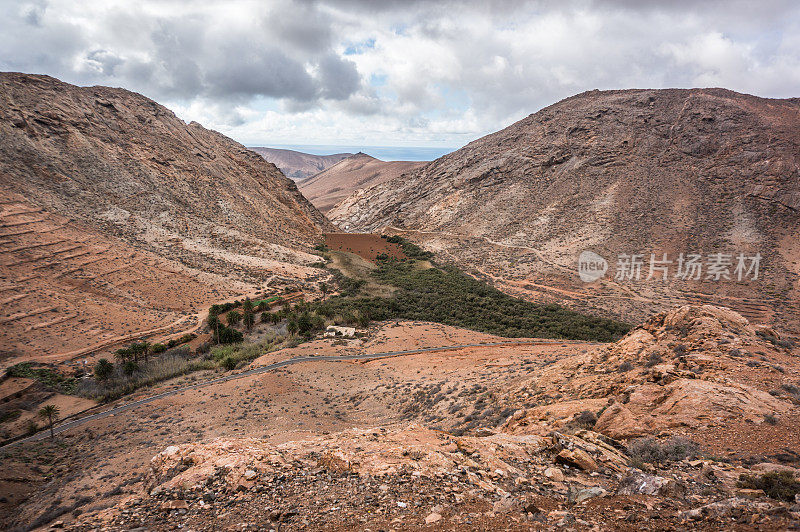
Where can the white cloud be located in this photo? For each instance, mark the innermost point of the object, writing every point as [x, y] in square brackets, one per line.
[396, 72]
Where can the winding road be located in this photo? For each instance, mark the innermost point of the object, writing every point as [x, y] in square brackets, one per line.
[263, 369]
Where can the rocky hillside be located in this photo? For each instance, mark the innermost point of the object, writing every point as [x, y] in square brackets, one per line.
[334, 184]
[118, 218]
[298, 165]
[631, 171]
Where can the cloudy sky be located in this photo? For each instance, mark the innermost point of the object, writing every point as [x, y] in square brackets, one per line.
[396, 73]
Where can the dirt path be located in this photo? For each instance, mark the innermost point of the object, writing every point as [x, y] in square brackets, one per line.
[263, 369]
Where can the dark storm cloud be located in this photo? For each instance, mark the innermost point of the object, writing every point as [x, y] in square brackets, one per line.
[260, 73]
[339, 77]
[284, 51]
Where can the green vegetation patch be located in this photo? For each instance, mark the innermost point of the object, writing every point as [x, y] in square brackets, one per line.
[444, 294]
[44, 375]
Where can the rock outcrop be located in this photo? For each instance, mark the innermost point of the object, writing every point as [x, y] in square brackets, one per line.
[689, 369]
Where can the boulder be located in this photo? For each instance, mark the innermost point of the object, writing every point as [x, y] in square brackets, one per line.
[577, 458]
[618, 422]
[639, 483]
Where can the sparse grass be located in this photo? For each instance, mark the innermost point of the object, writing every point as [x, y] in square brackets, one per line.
[45, 375]
[651, 451]
[777, 485]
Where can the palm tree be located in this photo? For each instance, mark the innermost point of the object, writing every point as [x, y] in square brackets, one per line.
[50, 413]
[249, 319]
[292, 327]
[213, 324]
[103, 369]
[247, 306]
[233, 318]
[145, 346]
[123, 354]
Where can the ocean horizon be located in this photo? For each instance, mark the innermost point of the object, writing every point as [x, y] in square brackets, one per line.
[384, 153]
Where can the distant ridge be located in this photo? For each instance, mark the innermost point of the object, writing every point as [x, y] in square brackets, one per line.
[334, 184]
[297, 165]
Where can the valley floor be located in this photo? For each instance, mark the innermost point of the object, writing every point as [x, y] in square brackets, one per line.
[420, 441]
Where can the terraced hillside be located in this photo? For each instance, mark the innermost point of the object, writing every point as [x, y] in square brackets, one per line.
[118, 219]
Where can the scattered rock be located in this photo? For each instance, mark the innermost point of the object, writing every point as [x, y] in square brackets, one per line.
[433, 517]
[505, 505]
[554, 473]
[578, 496]
[639, 483]
[175, 504]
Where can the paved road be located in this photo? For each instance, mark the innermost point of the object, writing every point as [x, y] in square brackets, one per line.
[263, 369]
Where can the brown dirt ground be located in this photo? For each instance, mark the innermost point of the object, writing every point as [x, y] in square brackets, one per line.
[366, 245]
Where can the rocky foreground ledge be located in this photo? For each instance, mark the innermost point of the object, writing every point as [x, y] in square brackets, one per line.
[411, 477]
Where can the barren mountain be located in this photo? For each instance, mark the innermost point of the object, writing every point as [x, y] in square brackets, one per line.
[334, 184]
[119, 219]
[298, 165]
[698, 171]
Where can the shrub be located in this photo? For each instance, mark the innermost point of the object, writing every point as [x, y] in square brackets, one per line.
[130, 367]
[45, 375]
[447, 295]
[103, 369]
[780, 485]
[157, 349]
[169, 365]
[229, 363]
[653, 359]
[584, 420]
[650, 451]
[10, 415]
[625, 367]
[203, 348]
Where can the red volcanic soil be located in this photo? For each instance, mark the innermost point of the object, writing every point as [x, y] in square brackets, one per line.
[366, 245]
